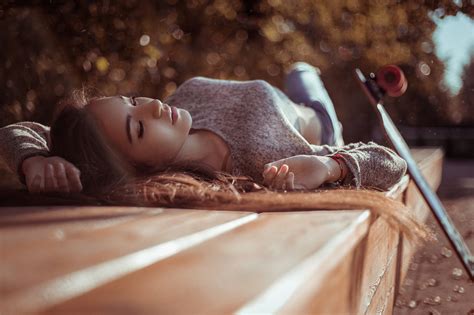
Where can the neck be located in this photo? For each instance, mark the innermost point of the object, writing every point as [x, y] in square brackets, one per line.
[196, 148]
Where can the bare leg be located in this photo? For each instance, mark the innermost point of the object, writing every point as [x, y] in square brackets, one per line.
[303, 85]
[309, 125]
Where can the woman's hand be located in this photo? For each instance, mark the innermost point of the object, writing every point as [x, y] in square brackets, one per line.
[51, 174]
[298, 172]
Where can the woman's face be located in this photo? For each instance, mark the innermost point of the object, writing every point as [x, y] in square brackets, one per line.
[141, 128]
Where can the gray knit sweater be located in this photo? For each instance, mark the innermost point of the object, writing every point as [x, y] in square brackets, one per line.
[256, 122]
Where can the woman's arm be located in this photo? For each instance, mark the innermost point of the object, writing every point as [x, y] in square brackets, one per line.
[358, 164]
[369, 164]
[23, 140]
[25, 148]
[51, 174]
[303, 172]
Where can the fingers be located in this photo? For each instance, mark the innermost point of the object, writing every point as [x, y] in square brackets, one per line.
[67, 178]
[268, 175]
[49, 180]
[35, 185]
[52, 174]
[74, 178]
[290, 181]
[278, 178]
[56, 178]
[63, 182]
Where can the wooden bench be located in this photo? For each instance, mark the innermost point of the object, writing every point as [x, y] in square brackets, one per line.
[127, 260]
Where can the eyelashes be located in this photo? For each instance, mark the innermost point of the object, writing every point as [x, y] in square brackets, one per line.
[140, 129]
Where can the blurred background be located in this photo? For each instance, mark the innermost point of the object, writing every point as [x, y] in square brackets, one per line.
[50, 48]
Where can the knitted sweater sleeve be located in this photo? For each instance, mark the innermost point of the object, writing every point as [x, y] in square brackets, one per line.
[370, 164]
[22, 140]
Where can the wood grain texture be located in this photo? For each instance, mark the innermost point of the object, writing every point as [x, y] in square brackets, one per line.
[333, 296]
[286, 262]
[25, 226]
[430, 161]
[331, 288]
[380, 254]
[82, 250]
[383, 251]
[223, 274]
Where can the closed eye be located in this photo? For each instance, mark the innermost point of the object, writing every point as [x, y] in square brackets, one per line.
[140, 129]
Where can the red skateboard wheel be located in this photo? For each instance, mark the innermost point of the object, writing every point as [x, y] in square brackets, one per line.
[392, 80]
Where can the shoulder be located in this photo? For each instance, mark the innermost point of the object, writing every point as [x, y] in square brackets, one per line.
[199, 80]
[27, 125]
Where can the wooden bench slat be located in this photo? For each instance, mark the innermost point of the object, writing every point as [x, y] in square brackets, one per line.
[29, 225]
[89, 248]
[222, 274]
[430, 161]
[380, 279]
[380, 258]
[304, 288]
[382, 243]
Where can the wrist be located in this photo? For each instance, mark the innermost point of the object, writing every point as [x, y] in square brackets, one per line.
[25, 165]
[337, 169]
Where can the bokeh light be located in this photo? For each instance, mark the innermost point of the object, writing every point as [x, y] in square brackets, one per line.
[149, 48]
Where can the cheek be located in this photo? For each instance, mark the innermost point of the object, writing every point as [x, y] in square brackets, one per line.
[161, 145]
[168, 138]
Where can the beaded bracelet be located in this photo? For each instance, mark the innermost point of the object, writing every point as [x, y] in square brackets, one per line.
[337, 157]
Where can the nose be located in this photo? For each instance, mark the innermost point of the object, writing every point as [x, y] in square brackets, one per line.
[156, 108]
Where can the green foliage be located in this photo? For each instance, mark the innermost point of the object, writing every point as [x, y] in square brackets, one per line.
[150, 47]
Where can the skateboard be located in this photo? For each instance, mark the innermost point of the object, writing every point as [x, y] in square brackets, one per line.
[390, 80]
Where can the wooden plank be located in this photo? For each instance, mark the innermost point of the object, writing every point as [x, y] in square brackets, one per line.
[28, 225]
[382, 249]
[383, 284]
[380, 254]
[20, 282]
[248, 264]
[333, 296]
[397, 192]
[210, 276]
[430, 161]
[383, 300]
[427, 159]
[331, 279]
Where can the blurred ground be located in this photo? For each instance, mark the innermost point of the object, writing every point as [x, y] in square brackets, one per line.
[436, 282]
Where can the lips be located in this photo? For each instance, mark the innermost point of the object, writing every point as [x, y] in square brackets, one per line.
[174, 114]
[167, 109]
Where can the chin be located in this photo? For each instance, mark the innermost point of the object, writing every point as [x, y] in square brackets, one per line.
[189, 115]
[189, 119]
[186, 122]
